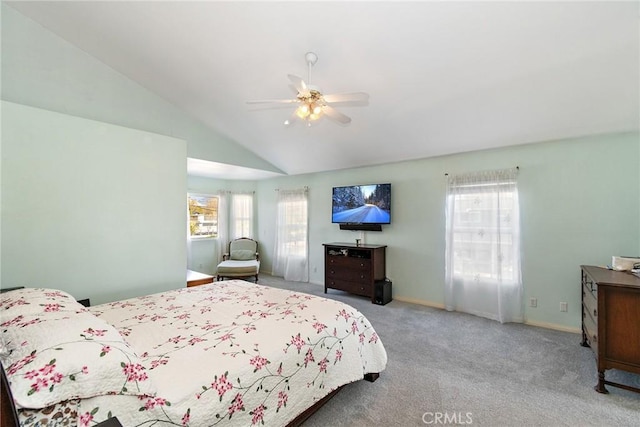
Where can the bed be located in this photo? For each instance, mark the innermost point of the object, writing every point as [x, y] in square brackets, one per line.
[228, 353]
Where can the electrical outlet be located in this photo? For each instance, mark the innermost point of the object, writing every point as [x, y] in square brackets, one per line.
[533, 302]
[564, 307]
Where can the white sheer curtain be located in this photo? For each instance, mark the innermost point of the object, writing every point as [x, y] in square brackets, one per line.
[483, 245]
[291, 254]
[241, 216]
[222, 243]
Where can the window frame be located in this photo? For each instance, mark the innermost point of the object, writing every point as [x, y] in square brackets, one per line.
[216, 220]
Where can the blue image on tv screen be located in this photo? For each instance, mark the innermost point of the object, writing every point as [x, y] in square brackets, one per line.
[362, 204]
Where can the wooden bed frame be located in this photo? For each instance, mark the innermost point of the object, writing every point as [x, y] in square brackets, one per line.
[9, 414]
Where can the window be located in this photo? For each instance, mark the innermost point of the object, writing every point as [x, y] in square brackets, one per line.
[482, 256]
[290, 258]
[295, 226]
[242, 216]
[203, 215]
[482, 235]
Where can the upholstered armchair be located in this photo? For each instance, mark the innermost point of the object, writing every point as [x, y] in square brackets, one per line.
[242, 260]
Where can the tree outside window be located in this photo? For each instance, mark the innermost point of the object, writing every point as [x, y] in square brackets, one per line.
[203, 215]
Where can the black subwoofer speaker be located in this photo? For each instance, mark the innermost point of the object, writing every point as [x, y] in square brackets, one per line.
[382, 292]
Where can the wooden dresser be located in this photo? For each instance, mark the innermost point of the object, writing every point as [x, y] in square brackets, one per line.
[611, 321]
[352, 268]
[196, 279]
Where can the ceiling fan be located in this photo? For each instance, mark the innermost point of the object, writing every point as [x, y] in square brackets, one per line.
[311, 103]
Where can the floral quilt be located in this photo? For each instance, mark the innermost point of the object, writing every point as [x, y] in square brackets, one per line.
[235, 353]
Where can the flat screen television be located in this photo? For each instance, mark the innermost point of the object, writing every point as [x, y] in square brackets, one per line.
[361, 204]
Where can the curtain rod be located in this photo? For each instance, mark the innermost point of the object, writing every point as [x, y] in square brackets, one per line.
[517, 168]
[236, 192]
[305, 188]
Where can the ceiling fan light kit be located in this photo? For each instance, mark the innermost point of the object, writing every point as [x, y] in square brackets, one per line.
[312, 104]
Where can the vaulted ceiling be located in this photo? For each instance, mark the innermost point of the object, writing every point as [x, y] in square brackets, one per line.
[443, 77]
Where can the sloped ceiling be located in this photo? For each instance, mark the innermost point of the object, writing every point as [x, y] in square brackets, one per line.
[443, 77]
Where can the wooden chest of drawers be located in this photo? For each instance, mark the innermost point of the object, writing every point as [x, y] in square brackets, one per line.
[196, 279]
[353, 269]
[611, 321]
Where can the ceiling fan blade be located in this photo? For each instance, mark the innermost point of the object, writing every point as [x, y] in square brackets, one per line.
[299, 84]
[273, 101]
[335, 98]
[336, 115]
[291, 120]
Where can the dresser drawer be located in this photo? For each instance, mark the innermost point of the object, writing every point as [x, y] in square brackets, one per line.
[356, 288]
[349, 274]
[590, 330]
[589, 301]
[589, 284]
[345, 261]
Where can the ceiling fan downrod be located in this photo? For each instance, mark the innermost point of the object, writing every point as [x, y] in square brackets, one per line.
[311, 59]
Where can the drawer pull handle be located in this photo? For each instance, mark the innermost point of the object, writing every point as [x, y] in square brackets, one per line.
[332, 272]
[595, 313]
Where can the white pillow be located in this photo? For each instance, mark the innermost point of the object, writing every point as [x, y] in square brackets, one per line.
[36, 300]
[52, 356]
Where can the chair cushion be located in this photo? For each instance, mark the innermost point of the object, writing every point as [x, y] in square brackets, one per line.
[234, 268]
[247, 244]
[243, 254]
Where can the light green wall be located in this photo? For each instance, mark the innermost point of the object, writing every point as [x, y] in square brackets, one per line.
[94, 209]
[42, 70]
[578, 206]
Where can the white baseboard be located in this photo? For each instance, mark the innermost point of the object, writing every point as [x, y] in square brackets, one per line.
[420, 302]
[545, 325]
[553, 326]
